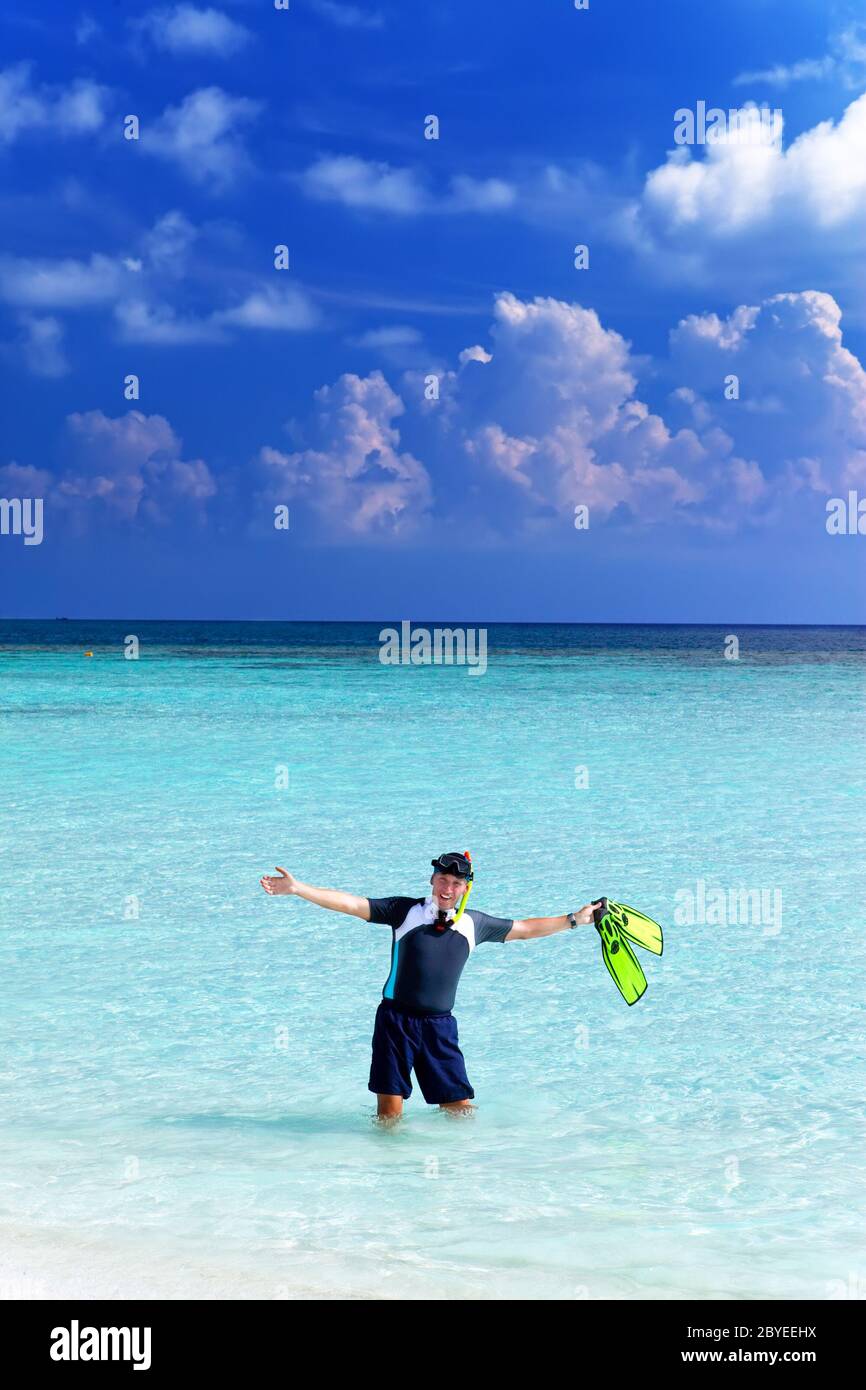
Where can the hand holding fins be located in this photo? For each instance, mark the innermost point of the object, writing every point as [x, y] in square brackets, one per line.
[618, 924]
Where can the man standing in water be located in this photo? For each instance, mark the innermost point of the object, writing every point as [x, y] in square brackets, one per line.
[431, 941]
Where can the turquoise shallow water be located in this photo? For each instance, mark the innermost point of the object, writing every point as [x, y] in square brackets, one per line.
[187, 1088]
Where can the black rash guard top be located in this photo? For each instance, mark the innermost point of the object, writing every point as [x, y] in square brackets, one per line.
[427, 960]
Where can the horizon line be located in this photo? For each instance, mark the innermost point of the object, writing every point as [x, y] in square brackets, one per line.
[496, 622]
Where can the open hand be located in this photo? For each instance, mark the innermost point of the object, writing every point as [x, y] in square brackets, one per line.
[284, 884]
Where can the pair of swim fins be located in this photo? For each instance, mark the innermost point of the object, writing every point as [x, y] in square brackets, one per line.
[617, 925]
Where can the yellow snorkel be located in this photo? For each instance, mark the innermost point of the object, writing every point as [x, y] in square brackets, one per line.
[464, 900]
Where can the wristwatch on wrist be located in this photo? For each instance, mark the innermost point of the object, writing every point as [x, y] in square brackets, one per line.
[572, 920]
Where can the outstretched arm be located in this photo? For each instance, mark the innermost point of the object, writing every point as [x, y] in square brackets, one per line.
[532, 927]
[331, 898]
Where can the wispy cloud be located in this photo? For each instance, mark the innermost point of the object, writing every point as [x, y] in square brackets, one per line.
[138, 288]
[361, 183]
[398, 335]
[62, 284]
[271, 310]
[782, 75]
[398, 304]
[845, 61]
[39, 346]
[375, 186]
[168, 243]
[265, 309]
[202, 136]
[399, 344]
[25, 106]
[348, 16]
[86, 30]
[140, 321]
[43, 345]
[185, 29]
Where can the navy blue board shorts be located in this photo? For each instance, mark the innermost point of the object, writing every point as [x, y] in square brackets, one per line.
[403, 1041]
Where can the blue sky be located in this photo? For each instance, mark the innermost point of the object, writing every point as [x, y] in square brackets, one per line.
[413, 259]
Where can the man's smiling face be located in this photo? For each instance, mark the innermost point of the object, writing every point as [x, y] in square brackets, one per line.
[448, 889]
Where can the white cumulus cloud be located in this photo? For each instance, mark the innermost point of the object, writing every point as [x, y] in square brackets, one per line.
[548, 416]
[819, 180]
[801, 415]
[132, 465]
[354, 477]
[553, 411]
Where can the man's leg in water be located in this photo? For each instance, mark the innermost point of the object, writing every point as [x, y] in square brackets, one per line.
[389, 1107]
[440, 1068]
[391, 1063]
